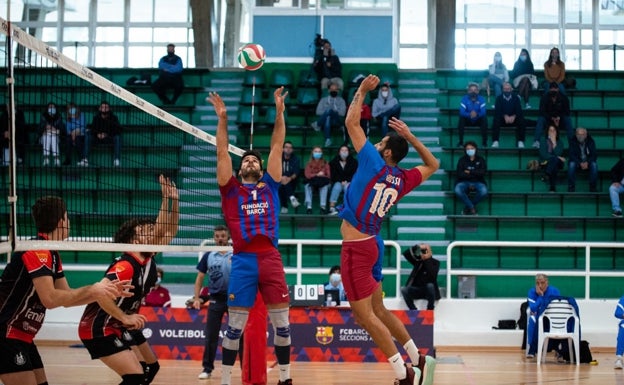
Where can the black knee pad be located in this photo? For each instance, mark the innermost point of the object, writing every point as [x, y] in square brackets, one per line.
[132, 379]
[150, 371]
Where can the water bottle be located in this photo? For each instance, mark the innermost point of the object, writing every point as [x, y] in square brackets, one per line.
[329, 300]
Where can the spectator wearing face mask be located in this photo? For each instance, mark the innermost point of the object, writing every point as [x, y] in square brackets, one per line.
[76, 127]
[472, 112]
[335, 282]
[290, 173]
[51, 127]
[423, 280]
[104, 129]
[523, 74]
[328, 66]
[498, 74]
[554, 110]
[507, 113]
[385, 106]
[471, 169]
[317, 174]
[582, 155]
[331, 111]
[159, 295]
[342, 168]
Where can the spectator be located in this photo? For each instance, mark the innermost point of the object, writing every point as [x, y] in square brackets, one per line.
[554, 110]
[159, 295]
[582, 155]
[507, 113]
[523, 75]
[21, 135]
[341, 168]
[76, 126]
[385, 106]
[423, 280]
[554, 71]
[331, 111]
[317, 174]
[105, 129]
[217, 264]
[328, 67]
[290, 172]
[170, 76]
[538, 298]
[498, 74]
[471, 169]
[335, 282]
[472, 112]
[51, 127]
[551, 159]
[619, 347]
[617, 187]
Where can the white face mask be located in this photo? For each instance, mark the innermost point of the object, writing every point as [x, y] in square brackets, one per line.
[335, 278]
[384, 94]
[471, 152]
[158, 281]
[344, 154]
[51, 111]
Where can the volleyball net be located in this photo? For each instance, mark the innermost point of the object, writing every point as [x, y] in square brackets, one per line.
[104, 181]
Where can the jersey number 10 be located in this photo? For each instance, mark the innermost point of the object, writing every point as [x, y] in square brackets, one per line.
[384, 199]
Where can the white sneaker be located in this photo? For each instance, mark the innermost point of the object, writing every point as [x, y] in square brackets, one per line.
[536, 144]
[57, 162]
[618, 364]
[328, 142]
[284, 210]
[333, 211]
[46, 161]
[204, 376]
[527, 106]
[116, 163]
[294, 202]
[83, 163]
[315, 126]
[495, 144]
[520, 144]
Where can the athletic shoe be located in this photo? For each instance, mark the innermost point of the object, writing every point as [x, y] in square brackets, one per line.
[520, 144]
[426, 365]
[57, 162]
[315, 126]
[287, 382]
[294, 202]
[618, 364]
[83, 163]
[204, 376]
[328, 142]
[495, 144]
[530, 356]
[284, 210]
[527, 106]
[116, 163]
[333, 211]
[536, 144]
[46, 161]
[617, 213]
[412, 377]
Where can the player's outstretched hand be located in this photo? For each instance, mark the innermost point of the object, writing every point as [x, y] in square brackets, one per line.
[134, 321]
[168, 188]
[105, 289]
[218, 104]
[400, 127]
[280, 100]
[369, 83]
[124, 287]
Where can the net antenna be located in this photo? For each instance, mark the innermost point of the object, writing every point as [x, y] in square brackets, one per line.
[253, 103]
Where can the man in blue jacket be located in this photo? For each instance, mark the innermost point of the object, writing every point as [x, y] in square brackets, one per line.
[170, 68]
[472, 110]
[582, 155]
[538, 298]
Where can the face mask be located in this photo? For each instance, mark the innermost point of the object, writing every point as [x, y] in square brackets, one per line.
[523, 57]
[335, 278]
[344, 154]
[507, 94]
[384, 94]
[317, 155]
[333, 93]
[471, 152]
[72, 111]
[497, 59]
[472, 94]
[51, 111]
[158, 281]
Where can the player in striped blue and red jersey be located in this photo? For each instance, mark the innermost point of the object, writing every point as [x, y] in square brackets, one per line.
[377, 185]
[250, 208]
[32, 282]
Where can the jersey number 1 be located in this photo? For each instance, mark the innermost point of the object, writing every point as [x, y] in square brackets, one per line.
[384, 199]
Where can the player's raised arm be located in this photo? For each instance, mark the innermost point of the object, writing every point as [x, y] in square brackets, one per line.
[354, 114]
[431, 163]
[224, 161]
[274, 164]
[168, 217]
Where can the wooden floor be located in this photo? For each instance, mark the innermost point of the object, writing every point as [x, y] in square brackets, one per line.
[72, 366]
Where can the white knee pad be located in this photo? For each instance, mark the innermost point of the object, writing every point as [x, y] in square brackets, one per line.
[281, 326]
[237, 319]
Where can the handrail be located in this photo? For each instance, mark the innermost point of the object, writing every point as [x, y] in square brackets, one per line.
[586, 272]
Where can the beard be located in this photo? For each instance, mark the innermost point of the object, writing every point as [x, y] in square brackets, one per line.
[251, 174]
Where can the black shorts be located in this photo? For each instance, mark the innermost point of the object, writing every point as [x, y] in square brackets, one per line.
[105, 346]
[134, 337]
[18, 356]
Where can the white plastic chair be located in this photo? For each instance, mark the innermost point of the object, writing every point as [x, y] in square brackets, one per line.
[558, 312]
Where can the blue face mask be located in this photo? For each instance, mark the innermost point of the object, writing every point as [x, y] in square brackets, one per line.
[471, 152]
[317, 155]
[335, 278]
[51, 111]
[523, 57]
[72, 111]
[158, 281]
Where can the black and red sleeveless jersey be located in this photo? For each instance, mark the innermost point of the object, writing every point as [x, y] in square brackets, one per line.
[21, 310]
[95, 322]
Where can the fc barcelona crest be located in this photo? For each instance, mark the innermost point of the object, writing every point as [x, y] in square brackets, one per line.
[324, 334]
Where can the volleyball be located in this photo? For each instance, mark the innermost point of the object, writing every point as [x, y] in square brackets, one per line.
[251, 56]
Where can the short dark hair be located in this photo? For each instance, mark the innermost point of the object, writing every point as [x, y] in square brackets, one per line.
[127, 231]
[334, 269]
[397, 145]
[170, 45]
[471, 143]
[251, 153]
[47, 212]
[221, 228]
[161, 271]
